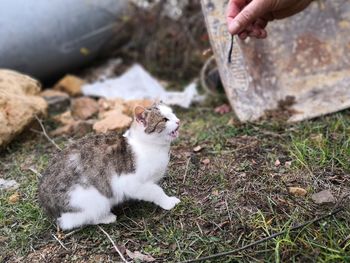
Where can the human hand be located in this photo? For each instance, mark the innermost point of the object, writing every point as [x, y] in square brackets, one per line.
[250, 17]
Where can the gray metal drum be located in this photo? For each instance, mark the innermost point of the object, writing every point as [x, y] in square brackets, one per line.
[45, 38]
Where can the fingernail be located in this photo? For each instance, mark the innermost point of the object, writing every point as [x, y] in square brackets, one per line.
[234, 27]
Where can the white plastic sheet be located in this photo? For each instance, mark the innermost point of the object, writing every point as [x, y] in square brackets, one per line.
[137, 83]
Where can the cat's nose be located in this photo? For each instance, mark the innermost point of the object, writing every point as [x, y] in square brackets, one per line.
[178, 122]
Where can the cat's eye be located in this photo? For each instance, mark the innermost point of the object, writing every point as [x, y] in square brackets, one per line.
[165, 119]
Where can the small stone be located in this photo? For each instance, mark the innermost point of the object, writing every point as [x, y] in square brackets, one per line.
[57, 101]
[64, 118]
[76, 128]
[206, 161]
[288, 164]
[114, 120]
[84, 108]
[14, 198]
[8, 184]
[297, 191]
[131, 105]
[323, 197]
[64, 130]
[317, 138]
[233, 122]
[215, 192]
[197, 149]
[139, 257]
[70, 84]
[81, 128]
[3, 239]
[222, 109]
[106, 106]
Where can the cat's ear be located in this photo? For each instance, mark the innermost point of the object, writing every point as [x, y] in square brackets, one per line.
[140, 115]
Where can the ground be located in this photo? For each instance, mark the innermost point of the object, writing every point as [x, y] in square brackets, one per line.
[233, 191]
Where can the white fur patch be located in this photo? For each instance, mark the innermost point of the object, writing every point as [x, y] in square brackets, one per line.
[168, 113]
[92, 208]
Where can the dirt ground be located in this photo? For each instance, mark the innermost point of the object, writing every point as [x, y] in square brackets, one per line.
[234, 190]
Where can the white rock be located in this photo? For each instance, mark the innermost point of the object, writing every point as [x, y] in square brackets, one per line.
[8, 184]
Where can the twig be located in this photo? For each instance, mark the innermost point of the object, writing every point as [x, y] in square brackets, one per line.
[45, 133]
[186, 170]
[71, 233]
[34, 171]
[114, 245]
[317, 219]
[228, 211]
[199, 227]
[343, 243]
[59, 241]
[272, 134]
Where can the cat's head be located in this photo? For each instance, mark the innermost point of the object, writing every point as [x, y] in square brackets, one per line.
[157, 123]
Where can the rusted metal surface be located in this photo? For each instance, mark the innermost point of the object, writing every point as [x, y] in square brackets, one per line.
[306, 56]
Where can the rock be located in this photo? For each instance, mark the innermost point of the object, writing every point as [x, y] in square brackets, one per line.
[233, 122]
[57, 101]
[64, 118]
[14, 198]
[3, 240]
[126, 107]
[19, 104]
[288, 164]
[222, 109]
[104, 105]
[70, 84]
[197, 149]
[81, 128]
[76, 128]
[297, 191]
[323, 197]
[108, 105]
[215, 192]
[139, 257]
[63, 130]
[71, 127]
[84, 108]
[277, 163]
[112, 121]
[206, 161]
[131, 105]
[8, 184]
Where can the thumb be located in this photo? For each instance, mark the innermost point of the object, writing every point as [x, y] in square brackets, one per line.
[255, 9]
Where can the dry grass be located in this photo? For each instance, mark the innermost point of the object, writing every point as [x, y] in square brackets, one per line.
[239, 197]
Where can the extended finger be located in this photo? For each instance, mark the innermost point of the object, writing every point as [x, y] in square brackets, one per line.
[247, 16]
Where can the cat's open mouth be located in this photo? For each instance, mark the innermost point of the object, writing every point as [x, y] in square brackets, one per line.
[175, 132]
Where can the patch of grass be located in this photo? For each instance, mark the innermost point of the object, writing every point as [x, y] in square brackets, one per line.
[22, 222]
[239, 197]
[323, 143]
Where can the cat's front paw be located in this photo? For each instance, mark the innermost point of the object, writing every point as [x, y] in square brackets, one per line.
[170, 203]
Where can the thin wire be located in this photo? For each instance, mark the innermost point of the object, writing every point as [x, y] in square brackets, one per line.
[229, 58]
[264, 239]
